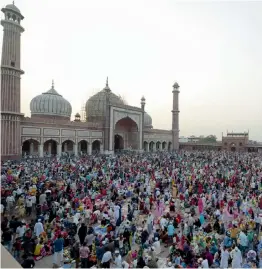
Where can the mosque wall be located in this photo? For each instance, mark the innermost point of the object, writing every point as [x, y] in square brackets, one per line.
[35, 137]
[157, 140]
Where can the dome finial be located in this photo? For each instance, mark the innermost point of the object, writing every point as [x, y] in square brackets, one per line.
[107, 87]
[53, 84]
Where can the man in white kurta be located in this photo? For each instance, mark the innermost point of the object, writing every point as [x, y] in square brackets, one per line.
[236, 256]
[38, 229]
[224, 258]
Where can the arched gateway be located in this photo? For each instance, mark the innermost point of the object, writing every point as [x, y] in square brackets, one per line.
[126, 135]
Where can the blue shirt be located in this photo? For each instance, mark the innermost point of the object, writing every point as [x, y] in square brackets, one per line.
[170, 230]
[58, 244]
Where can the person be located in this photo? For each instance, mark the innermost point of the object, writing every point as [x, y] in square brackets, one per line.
[141, 263]
[2, 209]
[38, 228]
[157, 246]
[243, 242]
[17, 247]
[84, 254]
[75, 253]
[234, 232]
[58, 250]
[29, 205]
[20, 230]
[28, 261]
[7, 239]
[106, 259]
[236, 257]
[82, 232]
[10, 200]
[117, 259]
[170, 232]
[90, 238]
[203, 263]
[152, 262]
[38, 248]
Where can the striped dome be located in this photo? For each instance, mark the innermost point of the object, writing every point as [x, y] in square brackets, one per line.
[96, 104]
[50, 103]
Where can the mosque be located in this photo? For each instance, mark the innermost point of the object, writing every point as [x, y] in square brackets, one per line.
[110, 124]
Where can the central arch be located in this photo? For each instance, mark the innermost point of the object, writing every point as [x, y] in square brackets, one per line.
[233, 147]
[119, 142]
[129, 132]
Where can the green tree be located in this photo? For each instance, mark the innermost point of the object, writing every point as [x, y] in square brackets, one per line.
[209, 139]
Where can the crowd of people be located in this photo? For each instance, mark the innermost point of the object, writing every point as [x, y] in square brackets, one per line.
[151, 210]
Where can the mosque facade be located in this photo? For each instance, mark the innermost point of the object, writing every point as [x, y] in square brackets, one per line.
[110, 124]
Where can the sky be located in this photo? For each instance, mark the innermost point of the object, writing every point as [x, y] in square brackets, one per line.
[212, 49]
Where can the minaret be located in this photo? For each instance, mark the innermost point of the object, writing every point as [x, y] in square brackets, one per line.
[143, 103]
[107, 119]
[175, 118]
[10, 83]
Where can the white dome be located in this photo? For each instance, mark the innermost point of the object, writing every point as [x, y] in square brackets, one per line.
[50, 103]
[147, 121]
[96, 104]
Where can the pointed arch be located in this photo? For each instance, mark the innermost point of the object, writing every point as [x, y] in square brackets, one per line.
[82, 146]
[164, 144]
[169, 146]
[146, 146]
[50, 147]
[128, 128]
[158, 145]
[151, 146]
[96, 146]
[30, 147]
[68, 146]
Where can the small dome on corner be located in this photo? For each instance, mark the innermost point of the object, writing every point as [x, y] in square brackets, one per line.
[13, 8]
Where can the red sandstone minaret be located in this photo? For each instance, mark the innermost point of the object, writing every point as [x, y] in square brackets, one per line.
[10, 83]
[175, 118]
